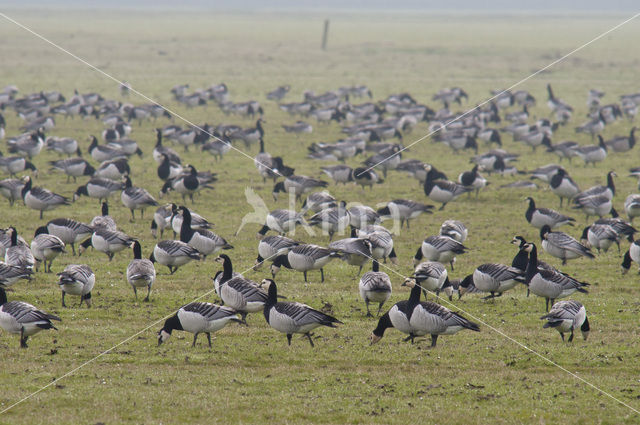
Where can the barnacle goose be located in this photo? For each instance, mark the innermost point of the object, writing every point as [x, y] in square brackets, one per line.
[115, 169]
[99, 188]
[632, 206]
[538, 217]
[13, 165]
[107, 241]
[40, 199]
[432, 276]
[417, 318]
[622, 143]
[197, 221]
[46, 247]
[173, 254]
[293, 317]
[127, 146]
[354, 251]
[18, 317]
[632, 254]
[103, 221]
[18, 253]
[140, 271]
[205, 241]
[442, 249]
[281, 221]
[185, 184]
[567, 316]
[11, 274]
[546, 283]
[546, 172]
[362, 216]
[271, 247]
[492, 278]
[303, 258]
[243, 295]
[318, 201]
[381, 241]
[218, 147]
[332, 220]
[565, 149]
[473, 180]
[365, 177]
[73, 167]
[103, 153]
[69, 230]
[599, 205]
[375, 286]
[136, 198]
[404, 210]
[592, 153]
[298, 127]
[339, 173]
[63, 145]
[562, 246]
[28, 144]
[442, 191]
[12, 189]
[169, 169]
[563, 185]
[600, 236]
[162, 219]
[198, 317]
[455, 230]
[159, 151]
[297, 185]
[77, 279]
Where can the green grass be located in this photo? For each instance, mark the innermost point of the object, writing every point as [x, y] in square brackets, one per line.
[251, 376]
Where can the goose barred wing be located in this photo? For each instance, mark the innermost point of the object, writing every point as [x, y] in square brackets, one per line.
[47, 196]
[429, 269]
[177, 248]
[563, 310]
[564, 241]
[140, 196]
[209, 311]
[284, 215]
[500, 272]
[376, 282]
[46, 241]
[449, 186]
[26, 313]
[115, 237]
[554, 215]
[566, 281]
[74, 225]
[249, 290]
[351, 246]
[311, 251]
[302, 314]
[76, 272]
[449, 317]
[445, 243]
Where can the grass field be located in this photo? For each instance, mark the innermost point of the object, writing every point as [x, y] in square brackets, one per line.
[251, 376]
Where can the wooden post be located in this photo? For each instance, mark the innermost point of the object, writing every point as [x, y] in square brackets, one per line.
[325, 34]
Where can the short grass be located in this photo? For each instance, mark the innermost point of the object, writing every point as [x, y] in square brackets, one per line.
[251, 376]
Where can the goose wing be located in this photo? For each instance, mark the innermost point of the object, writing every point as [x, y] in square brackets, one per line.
[448, 317]
[114, 237]
[351, 246]
[209, 311]
[47, 196]
[26, 313]
[565, 281]
[312, 251]
[76, 226]
[140, 196]
[500, 272]
[178, 248]
[46, 241]
[564, 241]
[554, 215]
[563, 310]
[449, 186]
[445, 243]
[376, 282]
[302, 314]
[250, 290]
[429, 269]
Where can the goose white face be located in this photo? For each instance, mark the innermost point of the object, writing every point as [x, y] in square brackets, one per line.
[274, 270]
[374, 338]
[163, 336]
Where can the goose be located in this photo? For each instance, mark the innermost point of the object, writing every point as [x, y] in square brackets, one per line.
[600, 236]
[490, 135]
[416, 169]
[73, 167]
[332, 220]
[99, 188]
[535, 138]
[173, 254]
[431, 276]
[77, 279]
[318, 201]
[362, 216]
[473, 180]
[169, 169]
[565, 149]
[107, 241]
[455, 230]
[159, 150]
[592, 153]
[593, 126]
[293, 317]
[387, 159]
[18, 317]
[375, 286]
[186, 184]
[567, 316]
[365, 177]
[12, 189]
[251, 135]
[197, 221]
[442, 191]
[563, 246]
[620, 226]
[563, 185]
[140, 271]
[40, 199]
[632, 206]
[298, 127]
[186, 137]
[632, 254]
[279, 93]
[218, 148]
[520, 184]
[609, 190]
[417, 318]
[18, 253]
[339, 173]
[127, 146]
[297, 185]
[198, 317]
[381, 241]
[69, 231]
[114, 170]
[459, 140]
[539, 217]
[403, 210]
[136, 198]
[238, 292]
[556, 104]
[162, 219]
[549, 284]
[518, 116]
[273, 246]
[103, 153]
[521, 259]
[205, 241]
[354, 251]
[281, 221]
[103, 221]
[13, 165]
[622, 143]
[546, 172]
[11, 274]
[599, 205]
[442, 249]
[29, 144]
[493, 278]
[303, 258]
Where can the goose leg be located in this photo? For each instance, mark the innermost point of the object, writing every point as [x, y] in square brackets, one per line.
[571, 336]
[73, 249]
[308, 335]
[40, 214]
[442, 207]
[368, 312]
[135, 292]
[133, 216]
[209, 339]
[546, 304]
[146, 299]
[195, 337]
[289, 338]
[23, 339]
[562, 336]
[380, 308]
[305, 277]
[63, 294]
[434, 339]
[321, 276]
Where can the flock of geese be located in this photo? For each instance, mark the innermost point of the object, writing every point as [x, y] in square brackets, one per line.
[373, 129]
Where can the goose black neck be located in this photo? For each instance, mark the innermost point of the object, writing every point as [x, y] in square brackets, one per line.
[158, 138]
[520, 261]
[27, 187]
[42, 230]
[14, 237]
[172, 323]
[414, 296]
[3, 296]
[383, 324]
[272, 295]
[127, 182]
[532, 266]
[227, 267]
[376, 266]
[137, 250]
[105, 209]
[532, 206]
[610, 183]
[261, 145]
[185, 229]
[282, 261]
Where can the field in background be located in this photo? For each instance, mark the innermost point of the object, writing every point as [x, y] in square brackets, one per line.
[251, 375]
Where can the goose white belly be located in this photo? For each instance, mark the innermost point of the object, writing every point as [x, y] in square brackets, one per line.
[440, 195]
[374, 296]
[434, 283]
[285, 324]
[11, 325]
[237, 301]
[566, 189]
[77, 288]
[304, 263]
[559, 252]
[205, 245]
[429, 323]
[544, 288]
[603, 244]
[37, 204]
[539, 220]
[98, 191]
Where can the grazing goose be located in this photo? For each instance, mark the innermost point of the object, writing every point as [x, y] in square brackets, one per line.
[563, 246]
[243, 295]
[107, 241]
[403, 210]
[303, 258]
[197, 221]
[521, 259]
[545, 173]
[455, 230]
[114, 170]
[600, 236]
[565, 149]
[387, 159]
[18, 317]
[69, 231]
[73, 167]
[609, 190]
[362, 216]
[40, 199]
[549, 284]
[271, 247]
[432, 276]
[593, 126]
[11, 274]
[218, 147]
[99, 188]
[442, 191]
[492, 278]
[29, 144]
[472, 180]
[442, 249]
[281, 221]
[140, 272]
[173, 254]
[18, 253]
[339, 173]
[159, 151]
[298, 127]
[162, 219]
[539, 217]
[63, 145]
[293, 317]
[365, 177]
[566, 316]
[354, 251]
[103, 153]
[169, 169]
[632, 206]
[632, 254]
[318, 201]
[12, 189]
[269, 166]
[332, 220]
[127, 146]
[622, 143]
[205, 241]
[592, 153]
[103, 221]
[13, 165]
[77, 279]
[279, 93]
[563, 185]
[621, 227]
[185, 184]
[599, 205]
[198, 317]
[136, 198]
[251, 135]
[520, 184]
[297, 185]
[381, 241]
[375, 286]
[417, 318]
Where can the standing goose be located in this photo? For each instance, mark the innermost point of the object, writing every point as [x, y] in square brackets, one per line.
[198, 317]
[73, 167]
[281, 221]
[290, 317]
[205, 241]
[103, 221]
[271, 247]
[365, 177]
[173, 254]
[381, 242]
[546, 283]
[162, 219]
[18, 253]
[11, 274]
[29, 145]
[18, 317]
[41, 199]
[632, 206]
[197, 221]
[339, 173]
[442, 249]
[107, 241]
[63, 145]
[103, 153]
[77, 279]
[622, 143]
[455, 230]
[11, 189]
[185, 184]
[563, 185]
[539, 217]
[567, 316]
[332, 220]
[169, 169]
[404, 210]
[99, 188]
[492, 278]
[303, 258]
[362, 216]
[609, 190]
[297, 185]
[46, 247]
[354, 251]
[159, 151]
[243, 295]
[114, 170]
[140, 272]
[599, 205]
[592, 153]
[136, 198]
[562, 246]
[600, 236]
[442, 191]
[472, 180]
[16, 164]
[432, 276]
[375, 286]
